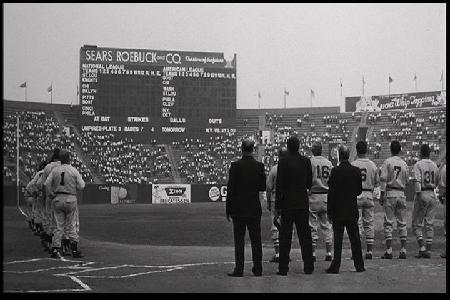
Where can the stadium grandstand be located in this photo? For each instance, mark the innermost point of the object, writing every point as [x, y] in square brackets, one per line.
[105, 158]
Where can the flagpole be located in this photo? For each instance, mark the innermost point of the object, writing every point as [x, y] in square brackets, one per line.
[25, 93]
[310, 98]
[389, 80]
[284, 97]
[259, 101]
[363, 86]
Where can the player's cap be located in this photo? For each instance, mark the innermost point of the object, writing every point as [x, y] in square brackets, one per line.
[64, 156]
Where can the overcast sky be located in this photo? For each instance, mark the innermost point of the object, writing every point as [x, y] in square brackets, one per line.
[294, 46]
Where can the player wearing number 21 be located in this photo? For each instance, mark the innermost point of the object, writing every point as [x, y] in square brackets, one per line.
[62, 185]
[394, 178]
[426, 178]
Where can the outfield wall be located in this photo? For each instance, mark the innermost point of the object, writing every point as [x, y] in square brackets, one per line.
[146, 194]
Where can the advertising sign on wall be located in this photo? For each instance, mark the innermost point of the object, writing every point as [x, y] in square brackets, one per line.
[395, 101]
[171, 193]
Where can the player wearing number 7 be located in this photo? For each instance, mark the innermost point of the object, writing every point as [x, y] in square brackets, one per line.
[370, 180]
[394, 178]
[426, 178]
[62, 185]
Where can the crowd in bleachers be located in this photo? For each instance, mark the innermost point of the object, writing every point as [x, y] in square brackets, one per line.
[39, 133]
[207, 161]
[122, 161]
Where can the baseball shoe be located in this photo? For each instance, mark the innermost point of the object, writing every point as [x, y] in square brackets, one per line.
[236, 274]
[421, 254]
[328, 258]
[402, 255]
[282, 273]
[444, 255]
[360, 270]
[387, 255]
[275, 259]
[368, 255]
[55, 253]
[427, 254]
[331, 270]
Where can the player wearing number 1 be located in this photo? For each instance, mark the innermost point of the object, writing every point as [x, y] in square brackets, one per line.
[321, 169]
[370, 180]
[62, 185]
[394, 178]
[426, 178]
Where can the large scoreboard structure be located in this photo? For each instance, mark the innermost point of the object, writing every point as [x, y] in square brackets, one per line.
[154, 94]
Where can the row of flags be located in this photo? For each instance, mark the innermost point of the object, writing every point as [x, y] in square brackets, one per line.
[49, 89]
[390, 80]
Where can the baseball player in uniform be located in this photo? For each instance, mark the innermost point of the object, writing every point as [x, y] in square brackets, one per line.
[443, 197]
[270, 193]
[426, 179]
[321, 170]
[49, 223]
[370, 180]
[394, 178]
[38, 200]
[62, 185]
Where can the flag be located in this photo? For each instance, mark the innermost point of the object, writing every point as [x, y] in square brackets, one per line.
[23, 85]
[415, 77]
[363, 81]
[78, 91]
[340, 82]
[259, 95]
[312, 93]
[390, 79]
[49, 89]
[442, 76]
[286, 93]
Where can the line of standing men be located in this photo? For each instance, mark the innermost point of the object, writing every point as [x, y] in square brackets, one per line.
[331, 198]
[54, 209]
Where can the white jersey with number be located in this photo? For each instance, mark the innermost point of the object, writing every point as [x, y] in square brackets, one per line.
[369, 173]
[321, 170]
[64, 179]
[394, 174]
[426, 175]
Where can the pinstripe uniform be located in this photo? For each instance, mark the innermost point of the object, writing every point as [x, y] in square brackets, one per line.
[49, 223]
[63, 182]
[370, 180]
[321, 170]
[426, 179]
[394, 178]
[443, 191]
[38, 198]
[270, 188]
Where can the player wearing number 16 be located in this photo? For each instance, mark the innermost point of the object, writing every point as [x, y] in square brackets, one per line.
[426, 179]
[62, 185]
[394, 178]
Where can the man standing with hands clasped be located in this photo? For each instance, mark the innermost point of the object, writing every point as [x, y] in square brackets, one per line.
[294, 178]
[345, 185]
[246, 179]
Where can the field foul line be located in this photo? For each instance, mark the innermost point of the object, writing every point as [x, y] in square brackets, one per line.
[76, 275]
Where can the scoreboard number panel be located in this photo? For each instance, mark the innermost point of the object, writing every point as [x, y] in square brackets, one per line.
[148, 94]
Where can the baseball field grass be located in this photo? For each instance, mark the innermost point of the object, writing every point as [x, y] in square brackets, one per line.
[189, 248]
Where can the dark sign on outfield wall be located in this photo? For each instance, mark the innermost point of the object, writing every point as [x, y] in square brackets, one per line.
[395, 101]
[209, 192]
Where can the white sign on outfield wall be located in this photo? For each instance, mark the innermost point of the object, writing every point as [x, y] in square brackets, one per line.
[171, 193]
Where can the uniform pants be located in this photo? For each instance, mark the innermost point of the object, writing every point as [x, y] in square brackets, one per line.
[300, 217]
[29, 208]
[253, 224]
[395, 207]
[355, 242]
[318, 217]
[65, 212]
[274, 230]
[39, 210]
[423, 215]
[366, 213]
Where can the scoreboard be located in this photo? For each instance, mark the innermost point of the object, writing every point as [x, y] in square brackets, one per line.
[154, 94]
